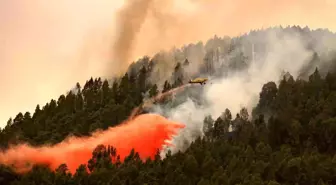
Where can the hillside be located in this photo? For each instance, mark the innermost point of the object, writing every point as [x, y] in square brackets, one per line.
[286, 135]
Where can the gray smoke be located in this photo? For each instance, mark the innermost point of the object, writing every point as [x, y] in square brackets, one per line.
[283, 51]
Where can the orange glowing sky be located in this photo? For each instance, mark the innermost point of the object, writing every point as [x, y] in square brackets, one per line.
[48, 46]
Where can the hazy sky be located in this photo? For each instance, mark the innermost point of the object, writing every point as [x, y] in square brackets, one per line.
[48, 46]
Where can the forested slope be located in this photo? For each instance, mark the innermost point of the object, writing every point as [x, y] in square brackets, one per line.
[291, 137]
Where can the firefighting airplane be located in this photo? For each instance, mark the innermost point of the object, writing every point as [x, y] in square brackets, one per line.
[201, 81]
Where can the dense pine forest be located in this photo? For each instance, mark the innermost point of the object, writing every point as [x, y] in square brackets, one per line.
[289, 138]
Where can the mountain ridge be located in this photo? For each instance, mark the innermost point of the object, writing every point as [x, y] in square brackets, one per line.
[285, 136]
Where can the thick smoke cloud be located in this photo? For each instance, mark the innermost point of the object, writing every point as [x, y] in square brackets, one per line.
[48, 46]
[285, 52]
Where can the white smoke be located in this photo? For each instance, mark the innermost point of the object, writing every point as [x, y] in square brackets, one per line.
[285, 53]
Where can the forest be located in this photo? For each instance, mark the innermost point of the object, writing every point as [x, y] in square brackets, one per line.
[289, 138]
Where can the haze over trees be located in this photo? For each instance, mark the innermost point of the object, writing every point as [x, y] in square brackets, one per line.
[290, 138]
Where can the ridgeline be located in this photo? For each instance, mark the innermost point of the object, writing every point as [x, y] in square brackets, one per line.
[290, 138]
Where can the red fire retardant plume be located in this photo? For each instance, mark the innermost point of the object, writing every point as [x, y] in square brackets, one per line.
[145, 133]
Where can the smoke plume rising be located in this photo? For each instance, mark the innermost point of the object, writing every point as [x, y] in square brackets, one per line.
[146, 133]
[68, 41]
[129, 21]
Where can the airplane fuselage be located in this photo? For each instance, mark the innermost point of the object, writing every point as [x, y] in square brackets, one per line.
[199, 80]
